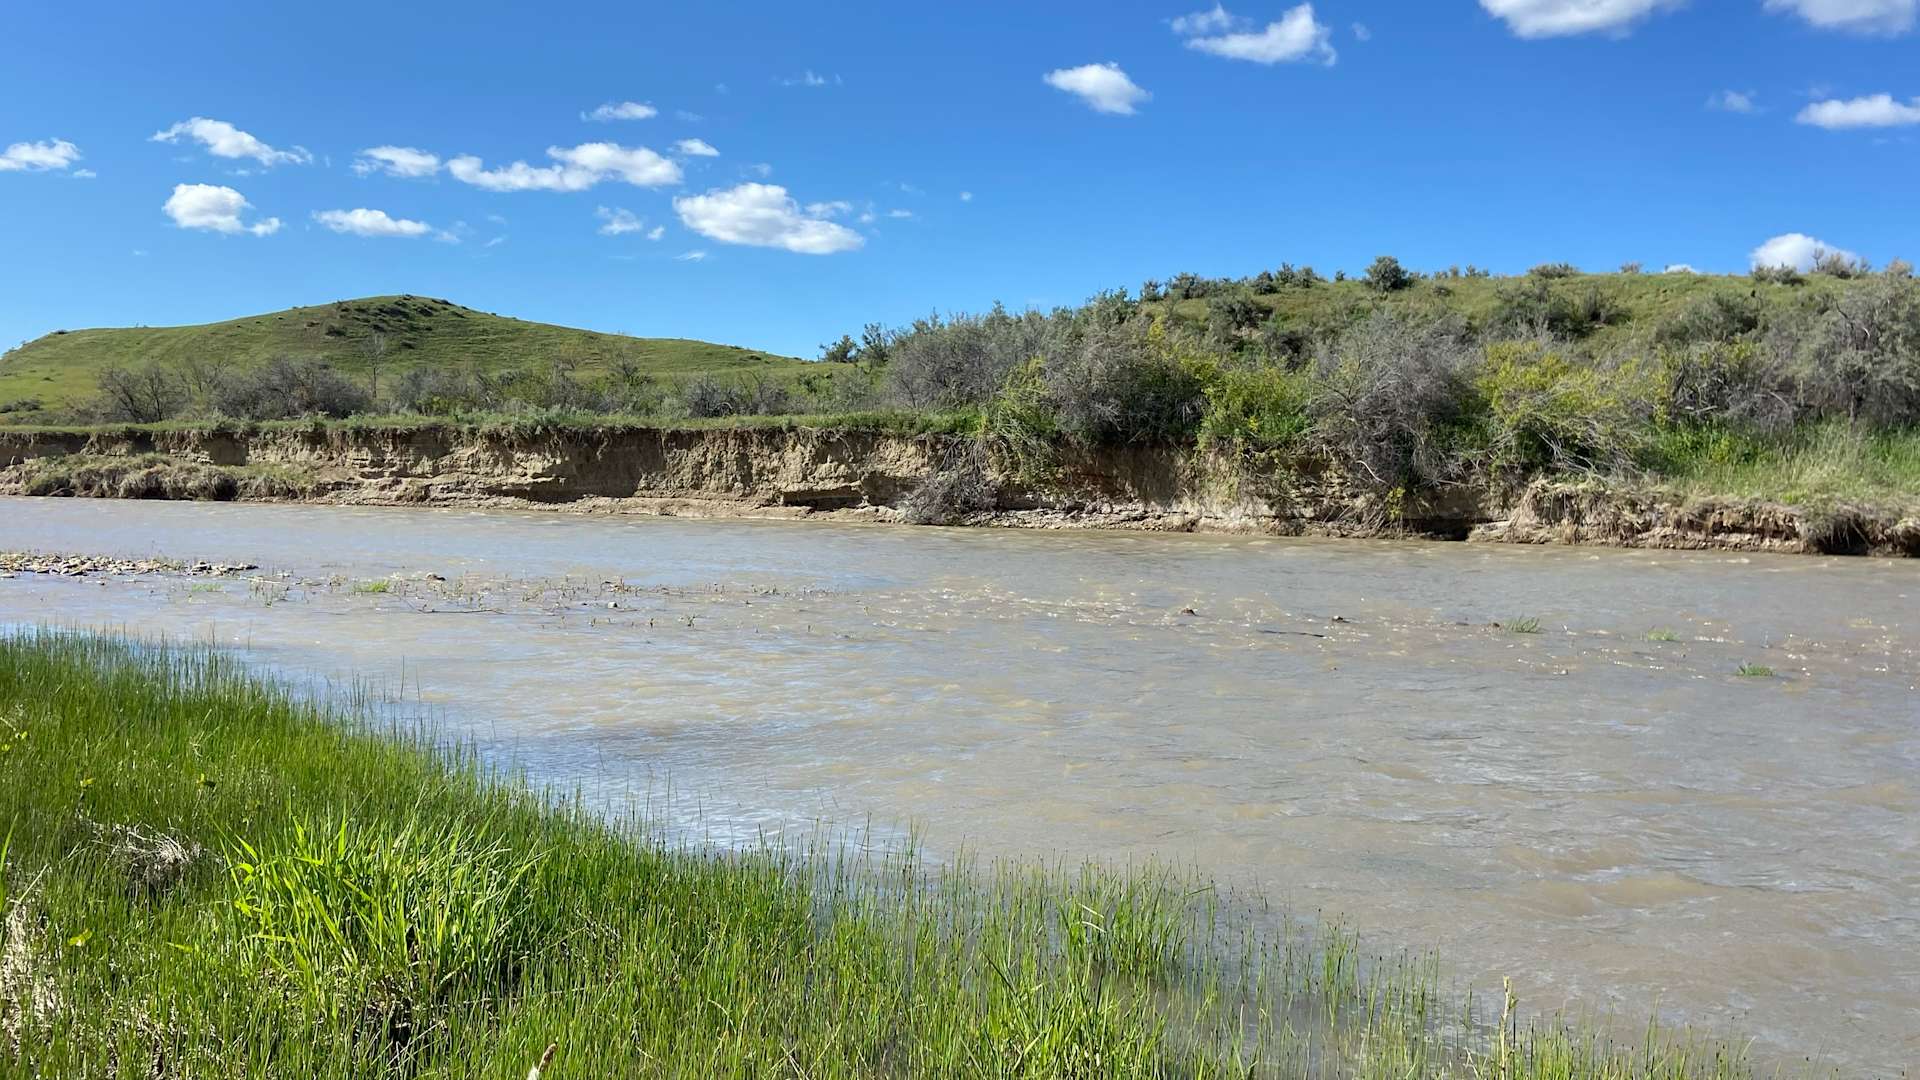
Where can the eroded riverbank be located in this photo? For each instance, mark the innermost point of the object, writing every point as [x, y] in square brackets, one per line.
[789, 472]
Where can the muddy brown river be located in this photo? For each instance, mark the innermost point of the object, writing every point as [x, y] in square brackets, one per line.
[1602, 808]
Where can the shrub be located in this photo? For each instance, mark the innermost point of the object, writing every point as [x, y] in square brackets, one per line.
[1714, 317]
[1258, 410]
[706, 397]
[1550, 412]
[1727, 383]
[1555, 270]
[140, 395]
[1840, 265]
[1395, 400]
[1118, 386]
[1860, 359]
[1778, 275]
[1386, 274]
[960, 489]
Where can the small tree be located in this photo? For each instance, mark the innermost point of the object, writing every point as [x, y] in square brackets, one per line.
[1387, 275]
[840, 352]
[873, 346]
[374, 347]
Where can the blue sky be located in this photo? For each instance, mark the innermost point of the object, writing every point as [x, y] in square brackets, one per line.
[876, 162]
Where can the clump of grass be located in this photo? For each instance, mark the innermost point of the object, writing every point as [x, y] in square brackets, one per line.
[339, 903]
[1525, 625]
[1754, 671]
[377, 587]
[1661, 633]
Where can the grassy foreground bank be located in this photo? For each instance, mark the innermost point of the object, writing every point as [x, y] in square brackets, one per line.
[204, 877]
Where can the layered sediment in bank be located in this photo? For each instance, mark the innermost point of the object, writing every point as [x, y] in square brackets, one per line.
[872, 475]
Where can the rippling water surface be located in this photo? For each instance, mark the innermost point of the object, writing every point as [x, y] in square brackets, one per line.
[1622, 824]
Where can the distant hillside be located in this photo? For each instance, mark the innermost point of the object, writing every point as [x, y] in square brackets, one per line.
[60, 370]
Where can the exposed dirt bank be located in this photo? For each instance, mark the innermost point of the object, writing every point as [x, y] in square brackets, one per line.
[792, 472]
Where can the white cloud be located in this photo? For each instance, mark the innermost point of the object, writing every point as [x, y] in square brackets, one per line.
[1873, 111]
[763, 215]
[401, 161]
[691, 256]
[1557, 18]
[1796, 250]
[966, 196]
[696, 148]
[1679, 268]
[1733, 101]
[898, 215]
[656, 232]
[217, 209]
[578, 169]
[1104, 87]
[1296, 36]
[829, 209]
[39, 156]
[618, 222]
[808, 78]
[495, 242]
[1203, 22]
[1362, 32]
[226, 141]
[621, 110]
[85, 174]
[1858, 16]
[761, 169]
[365, 222]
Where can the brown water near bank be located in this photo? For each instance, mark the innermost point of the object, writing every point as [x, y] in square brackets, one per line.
[1620, 824]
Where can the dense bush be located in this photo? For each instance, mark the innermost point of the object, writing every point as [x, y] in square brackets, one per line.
[1395, 399]
[1387, 275]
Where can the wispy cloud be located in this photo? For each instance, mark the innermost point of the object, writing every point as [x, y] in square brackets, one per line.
[1295, 36]
[1734, 101]
[1854, 16]
[810, 78]
[618, 222]
[576, 169]
[401, 161]
[691, 256]
[371, 223]
[621, 110]
[223, 140]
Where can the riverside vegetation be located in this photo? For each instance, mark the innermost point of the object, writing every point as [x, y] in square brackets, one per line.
[1802, 388]
[201, 874]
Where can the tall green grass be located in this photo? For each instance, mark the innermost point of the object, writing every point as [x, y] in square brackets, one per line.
[207, 877]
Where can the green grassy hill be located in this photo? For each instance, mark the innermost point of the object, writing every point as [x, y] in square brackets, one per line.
[51, 375]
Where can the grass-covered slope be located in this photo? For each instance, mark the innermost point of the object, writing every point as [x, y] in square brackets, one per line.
[200, 876]
[61, 370]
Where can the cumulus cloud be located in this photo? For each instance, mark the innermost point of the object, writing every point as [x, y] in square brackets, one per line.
[1679, 268]
[1296, 36]
[763, 215]
[621, 110]
[226, 141]
[696, 148]
[656, 232]
[1857, 16]
[401, 161]
[576, 169]
[1104, 87]
[1558, 18]
[39, 156]
[365, 222]
[1872, 111]
[214, 208]
[1797, 251]
[618, 222]
[1733, 101]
